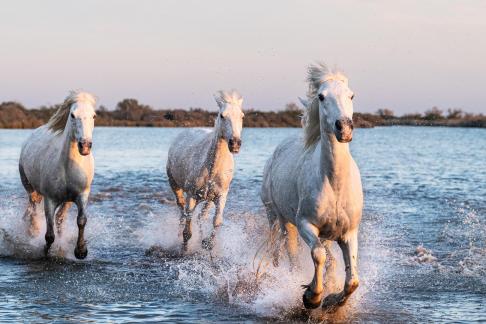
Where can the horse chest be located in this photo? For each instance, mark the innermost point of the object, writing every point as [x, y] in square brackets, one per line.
[334, 214]
[76, 182]
[213, 187]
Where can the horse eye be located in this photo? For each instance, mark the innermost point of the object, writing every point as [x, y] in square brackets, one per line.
[72, 116]
[321, 97]
[221, 116]
[352, 97]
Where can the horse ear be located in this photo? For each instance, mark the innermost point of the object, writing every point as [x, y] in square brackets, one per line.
[304, 102]
[218, 101]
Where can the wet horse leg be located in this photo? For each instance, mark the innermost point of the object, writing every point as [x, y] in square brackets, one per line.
[49, 209]
[313, 294]
[330, 280]
[208, 243]
[31, 214]
[61, 216]
[292, 243]
[187, 232]
[180, 200]
[349, 247]
[277, 234]
[203, 215]
[81, 251]
[35, 198]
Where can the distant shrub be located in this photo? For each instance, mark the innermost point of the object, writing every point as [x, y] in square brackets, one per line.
[385, 113]
[130, 109]
[292, 107]
[454, 113]
[412, 116]
[433, 114]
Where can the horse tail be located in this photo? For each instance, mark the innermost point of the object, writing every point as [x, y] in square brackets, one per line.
[268, 247]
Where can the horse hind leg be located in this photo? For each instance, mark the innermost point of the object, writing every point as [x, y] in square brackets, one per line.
[292, 243]
[187, 232]
[180, 201]
[330, 282]
[61, 216]
[30, 215]
[277, 235]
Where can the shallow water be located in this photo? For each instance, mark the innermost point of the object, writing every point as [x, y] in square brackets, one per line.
[422, 240]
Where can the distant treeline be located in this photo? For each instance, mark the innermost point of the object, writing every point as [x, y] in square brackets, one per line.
[129, 112]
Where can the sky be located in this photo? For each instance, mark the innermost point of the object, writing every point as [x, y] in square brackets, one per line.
[403, 55]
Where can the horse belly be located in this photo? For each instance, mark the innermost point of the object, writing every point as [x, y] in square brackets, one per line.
[31, 157]
[279, 188]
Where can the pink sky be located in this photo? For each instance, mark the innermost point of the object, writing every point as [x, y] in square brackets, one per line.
[404, 55]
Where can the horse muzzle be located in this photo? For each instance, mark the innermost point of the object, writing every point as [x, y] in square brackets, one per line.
[234, 145]
[84, 147]
[344, 130]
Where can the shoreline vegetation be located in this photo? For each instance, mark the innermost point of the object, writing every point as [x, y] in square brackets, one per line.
[130, 113]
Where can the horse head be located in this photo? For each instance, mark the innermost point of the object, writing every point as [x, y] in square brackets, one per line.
[230, 118]
[82, 115]
[336, 107]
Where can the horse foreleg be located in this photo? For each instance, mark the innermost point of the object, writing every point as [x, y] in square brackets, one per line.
[313, 294]
[203, 215]
[349, 247]
[49, 209]
[330, 280]
[81, 251]
[187, 233]
[208, 243]
[61, 216]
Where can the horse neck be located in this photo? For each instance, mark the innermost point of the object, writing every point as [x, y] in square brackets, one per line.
[69, 150]
[218, 149]
[335, 161]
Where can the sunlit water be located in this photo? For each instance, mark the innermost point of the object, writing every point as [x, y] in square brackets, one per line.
[422, 239]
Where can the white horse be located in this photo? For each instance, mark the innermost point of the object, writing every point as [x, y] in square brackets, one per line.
[200, 165]
[312, 186]
[56, 164]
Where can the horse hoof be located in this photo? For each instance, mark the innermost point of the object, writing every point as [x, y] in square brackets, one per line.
[80, 253]
[333, 300]
[207, 244]
[311, 300]
[46, 250]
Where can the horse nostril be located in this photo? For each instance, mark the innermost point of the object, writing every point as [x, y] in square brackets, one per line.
[238, 142]
[90, 144]
[339, 125]
[231, 142]
[351, 125]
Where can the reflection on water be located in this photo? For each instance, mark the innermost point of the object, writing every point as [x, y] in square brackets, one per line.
[422, 249]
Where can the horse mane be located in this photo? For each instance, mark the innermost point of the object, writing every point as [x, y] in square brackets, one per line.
[317, 74]
[57, 122]
[229, 97]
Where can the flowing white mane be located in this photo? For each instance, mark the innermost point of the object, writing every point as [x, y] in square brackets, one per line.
[316, 76]
[227, 97]
[58, 121]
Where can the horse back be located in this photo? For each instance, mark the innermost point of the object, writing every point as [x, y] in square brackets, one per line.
[37, 150]
[279, 188]
[186, 155]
